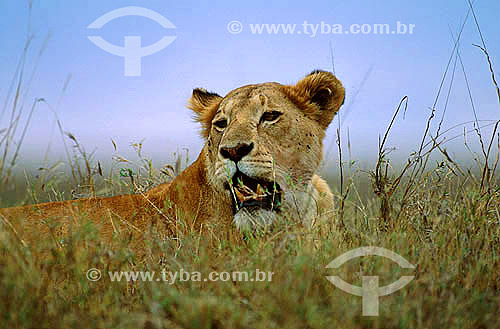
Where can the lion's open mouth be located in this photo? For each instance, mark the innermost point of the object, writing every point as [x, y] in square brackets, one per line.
[249, 192]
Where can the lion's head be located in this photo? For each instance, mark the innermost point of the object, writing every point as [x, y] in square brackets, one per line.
[264, 144]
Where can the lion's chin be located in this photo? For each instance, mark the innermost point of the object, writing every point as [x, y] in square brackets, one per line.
[295, 205]
[254, 218]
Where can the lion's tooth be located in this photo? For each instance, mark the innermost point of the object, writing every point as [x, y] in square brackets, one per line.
[259, 189]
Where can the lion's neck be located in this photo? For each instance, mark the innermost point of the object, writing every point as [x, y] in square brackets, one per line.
[192, 199]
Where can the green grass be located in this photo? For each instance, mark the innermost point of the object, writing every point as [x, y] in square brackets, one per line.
[449, 229]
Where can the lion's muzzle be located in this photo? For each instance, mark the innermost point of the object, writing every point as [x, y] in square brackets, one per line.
[248, 192]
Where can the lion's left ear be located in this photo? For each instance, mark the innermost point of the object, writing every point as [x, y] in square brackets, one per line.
[204, 105]
[320, 95]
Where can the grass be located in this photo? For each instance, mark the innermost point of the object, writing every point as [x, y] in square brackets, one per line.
[450, 231]
[443, 218]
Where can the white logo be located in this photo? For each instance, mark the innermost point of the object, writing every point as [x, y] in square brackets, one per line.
[234, 27]
[132, 51]
[370, 291]
[93, 274]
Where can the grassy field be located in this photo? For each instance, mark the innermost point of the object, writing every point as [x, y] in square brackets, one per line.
[447, 225]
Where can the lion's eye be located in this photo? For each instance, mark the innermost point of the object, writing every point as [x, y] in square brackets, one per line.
[220, 124]
[270, 116]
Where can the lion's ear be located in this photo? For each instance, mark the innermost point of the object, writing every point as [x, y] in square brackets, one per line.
[204, 105]
[320, 95]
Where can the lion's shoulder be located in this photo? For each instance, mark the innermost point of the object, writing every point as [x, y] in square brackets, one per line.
[325, 196]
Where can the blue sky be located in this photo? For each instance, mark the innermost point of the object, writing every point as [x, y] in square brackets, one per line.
[100, 103]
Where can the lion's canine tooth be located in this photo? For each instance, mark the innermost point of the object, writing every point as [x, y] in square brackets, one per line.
[259, 189]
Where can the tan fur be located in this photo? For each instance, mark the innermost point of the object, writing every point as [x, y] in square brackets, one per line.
[288, 151]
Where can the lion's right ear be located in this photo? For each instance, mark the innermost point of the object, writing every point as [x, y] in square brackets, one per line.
[319, 95]
[204, 105]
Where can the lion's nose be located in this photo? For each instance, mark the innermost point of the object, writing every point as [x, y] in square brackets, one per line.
[236, 153]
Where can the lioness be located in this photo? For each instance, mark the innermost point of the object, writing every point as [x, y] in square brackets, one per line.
[263, 148]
